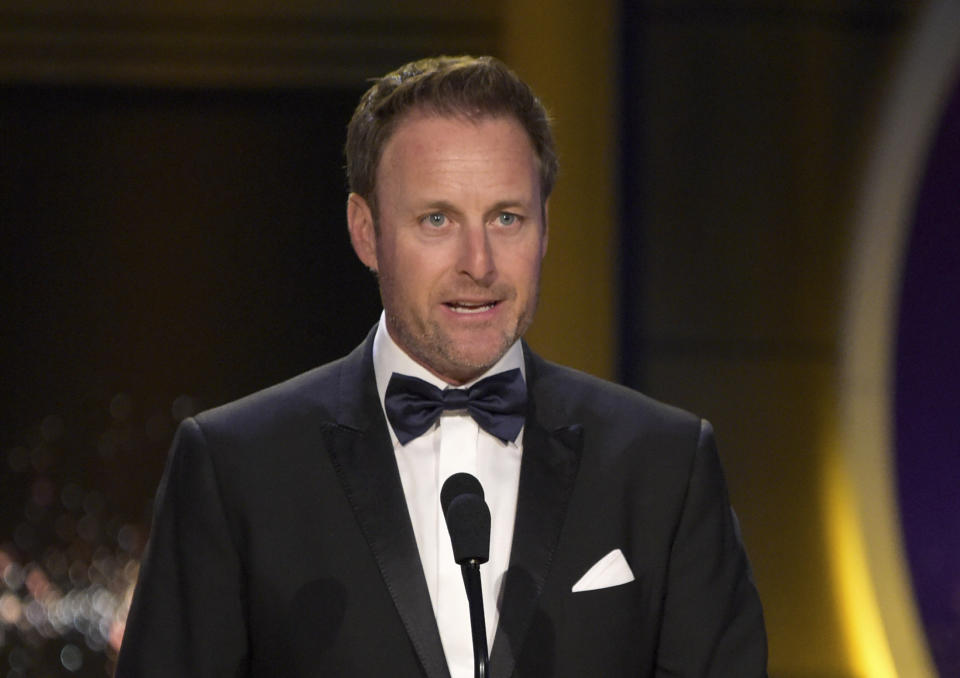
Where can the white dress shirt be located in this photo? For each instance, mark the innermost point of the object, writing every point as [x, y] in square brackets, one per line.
[454, 444]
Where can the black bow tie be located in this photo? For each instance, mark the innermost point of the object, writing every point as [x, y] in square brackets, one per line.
[496, 403]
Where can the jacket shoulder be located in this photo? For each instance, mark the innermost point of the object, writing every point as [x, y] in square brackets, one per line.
[311, 388]
[571, 395]
[300, 403]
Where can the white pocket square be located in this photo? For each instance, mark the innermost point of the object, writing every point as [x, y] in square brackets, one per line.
[611, 570]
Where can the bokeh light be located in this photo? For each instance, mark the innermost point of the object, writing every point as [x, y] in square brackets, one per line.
[69, 559]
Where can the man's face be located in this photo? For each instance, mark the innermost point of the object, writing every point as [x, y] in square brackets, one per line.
[461, 235]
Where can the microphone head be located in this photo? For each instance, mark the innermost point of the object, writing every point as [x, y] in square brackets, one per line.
[457, 484]
[468, 522]
[467, 516]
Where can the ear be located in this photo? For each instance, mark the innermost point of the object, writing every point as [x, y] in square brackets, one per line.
[362, 234]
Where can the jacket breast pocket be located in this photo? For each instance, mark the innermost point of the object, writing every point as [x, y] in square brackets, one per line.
[604, 632]
[604, 610]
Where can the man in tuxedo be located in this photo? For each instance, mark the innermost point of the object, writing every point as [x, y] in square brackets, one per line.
[298, 531]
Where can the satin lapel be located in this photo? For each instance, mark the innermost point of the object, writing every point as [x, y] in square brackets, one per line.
[550, 461]
[363, 456]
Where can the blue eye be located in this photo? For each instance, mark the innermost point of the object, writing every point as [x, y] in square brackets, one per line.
[507, 219]
[436, 219]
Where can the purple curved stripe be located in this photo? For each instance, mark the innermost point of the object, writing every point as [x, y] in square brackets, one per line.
[927, 395]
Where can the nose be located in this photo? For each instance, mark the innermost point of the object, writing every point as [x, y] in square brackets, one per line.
[476, 255]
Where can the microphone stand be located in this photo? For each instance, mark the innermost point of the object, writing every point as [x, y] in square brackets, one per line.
[468, 522]
[471, 581]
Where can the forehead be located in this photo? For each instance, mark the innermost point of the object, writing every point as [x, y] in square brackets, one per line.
[426, 146]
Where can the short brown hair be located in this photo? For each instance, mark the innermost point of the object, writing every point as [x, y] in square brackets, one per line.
[474, 87]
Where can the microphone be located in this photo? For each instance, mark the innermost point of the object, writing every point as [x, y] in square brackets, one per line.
[467, 516]
[468, 522]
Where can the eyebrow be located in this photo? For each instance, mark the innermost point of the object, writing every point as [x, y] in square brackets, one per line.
[441, 206]
[509, 204]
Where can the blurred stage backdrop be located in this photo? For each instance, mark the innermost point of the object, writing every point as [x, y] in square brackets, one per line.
[756, 220]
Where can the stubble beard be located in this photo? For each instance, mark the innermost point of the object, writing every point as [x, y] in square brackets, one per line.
[428, 344]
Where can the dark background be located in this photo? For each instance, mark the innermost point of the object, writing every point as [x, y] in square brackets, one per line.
[162, 243]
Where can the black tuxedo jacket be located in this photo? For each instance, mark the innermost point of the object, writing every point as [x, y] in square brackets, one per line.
[281, 543]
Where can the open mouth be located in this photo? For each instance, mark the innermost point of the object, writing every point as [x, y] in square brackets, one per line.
[468, 307]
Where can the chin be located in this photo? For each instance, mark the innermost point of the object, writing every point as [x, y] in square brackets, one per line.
[479, 359]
